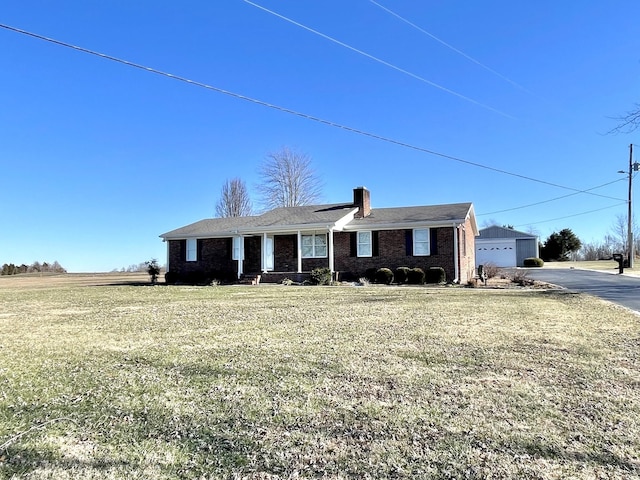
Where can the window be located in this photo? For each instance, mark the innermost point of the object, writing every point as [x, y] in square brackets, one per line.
[192, 250]
[421, 242]
[236, 252]
[314, 246]
[364, 243]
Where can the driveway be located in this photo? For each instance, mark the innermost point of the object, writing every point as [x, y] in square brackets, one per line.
[621, 289]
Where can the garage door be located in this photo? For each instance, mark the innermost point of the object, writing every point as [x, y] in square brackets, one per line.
[501, 253]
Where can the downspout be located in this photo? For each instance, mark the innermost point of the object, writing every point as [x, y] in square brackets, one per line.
[331, 259]
[456, 259]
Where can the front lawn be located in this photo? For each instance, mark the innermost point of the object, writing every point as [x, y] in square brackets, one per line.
[277, 382]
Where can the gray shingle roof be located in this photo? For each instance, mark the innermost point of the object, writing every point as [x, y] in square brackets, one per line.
[449, 213]
[319, 216]
[280, 218]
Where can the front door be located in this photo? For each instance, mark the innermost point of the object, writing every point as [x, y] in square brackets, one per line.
[268, 253]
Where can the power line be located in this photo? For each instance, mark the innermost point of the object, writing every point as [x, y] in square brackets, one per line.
[376, 59]
[451, 47]
[574, 215]
[294, 112]
[550, 200]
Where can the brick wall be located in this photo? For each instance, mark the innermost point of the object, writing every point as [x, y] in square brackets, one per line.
[392, 253]
[467, 252]
[214, 254]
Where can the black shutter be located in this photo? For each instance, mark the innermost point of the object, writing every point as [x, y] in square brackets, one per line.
[408, 237]
[353, 244]
[433, 241]
[199, 249]
[230, 248]
[183, 250]
[375, 244]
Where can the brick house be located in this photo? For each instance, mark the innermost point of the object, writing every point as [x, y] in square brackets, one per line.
[348, 238]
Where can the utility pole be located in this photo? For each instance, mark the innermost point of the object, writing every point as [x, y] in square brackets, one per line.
[633, 167]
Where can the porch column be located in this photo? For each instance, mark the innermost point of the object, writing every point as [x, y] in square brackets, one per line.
[299, 252]
[239, 251]
[263, 261]
[331, 259]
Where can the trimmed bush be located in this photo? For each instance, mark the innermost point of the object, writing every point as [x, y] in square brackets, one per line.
[384, 276]
[321, 276]
[435, 275]
[370, 274]
[170, 278]
[533, 262]
[415, 276]
[401, 274]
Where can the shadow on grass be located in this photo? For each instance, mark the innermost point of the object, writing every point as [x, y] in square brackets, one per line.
[19, 460]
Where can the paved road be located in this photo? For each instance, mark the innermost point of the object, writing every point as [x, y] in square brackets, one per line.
[621, 289]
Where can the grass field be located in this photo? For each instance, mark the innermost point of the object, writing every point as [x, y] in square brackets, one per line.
[270, 382]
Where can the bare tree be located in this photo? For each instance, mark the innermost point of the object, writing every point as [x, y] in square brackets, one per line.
[234, 200]
[628, 122]
[288, 180]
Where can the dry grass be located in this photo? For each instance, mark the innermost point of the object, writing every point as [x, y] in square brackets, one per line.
[316, 382]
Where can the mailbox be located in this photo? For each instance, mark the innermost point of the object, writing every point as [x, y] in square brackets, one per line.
[618, 257]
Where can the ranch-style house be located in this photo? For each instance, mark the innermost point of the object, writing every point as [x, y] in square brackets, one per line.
[348, 238]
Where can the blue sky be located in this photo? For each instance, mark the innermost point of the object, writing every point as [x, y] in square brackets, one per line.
[98, 158]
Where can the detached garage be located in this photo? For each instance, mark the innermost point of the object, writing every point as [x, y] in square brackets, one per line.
[505, 247]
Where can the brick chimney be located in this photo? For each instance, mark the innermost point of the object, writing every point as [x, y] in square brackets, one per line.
[362, 200]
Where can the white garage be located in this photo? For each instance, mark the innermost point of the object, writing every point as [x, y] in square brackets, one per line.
[505, 247]
[501, 253]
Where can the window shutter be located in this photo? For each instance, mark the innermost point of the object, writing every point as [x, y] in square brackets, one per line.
[183, 250]
[353, 244]
[230, 248]
[433, 241]
[375, 249]
[408, 236]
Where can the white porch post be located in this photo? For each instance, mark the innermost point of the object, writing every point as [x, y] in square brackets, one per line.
[240, 240]
[331, 259]
[263, 261]
[299, 252]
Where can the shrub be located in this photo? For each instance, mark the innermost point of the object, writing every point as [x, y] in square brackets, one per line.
[401, 274]
[321, 276]
[415, 276]
[153, 269]
[491, 270]
[170, 278]
[370, 274]
[435, 275]
[384, 276]
[533, 262]
[520, 277]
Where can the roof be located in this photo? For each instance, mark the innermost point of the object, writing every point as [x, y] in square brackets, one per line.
[406, 216]
[278, 219]
[338, 216]
[495, 231]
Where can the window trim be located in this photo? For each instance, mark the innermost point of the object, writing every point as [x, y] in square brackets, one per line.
[421, 243]
[314, 247]
[360, 243]
[191, 250]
